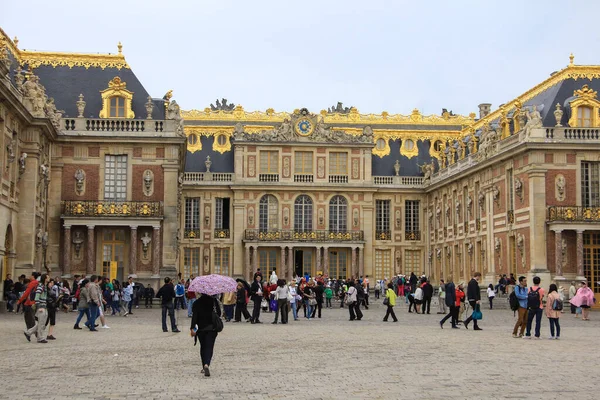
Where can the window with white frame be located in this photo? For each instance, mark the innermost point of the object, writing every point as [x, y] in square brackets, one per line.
[221, 261]
[338, 214]
[411, 215]
[115, 177]
[303, 214]
[382, 215]
[590, 184]
[268, 213]
[192, 214]
[191, 261]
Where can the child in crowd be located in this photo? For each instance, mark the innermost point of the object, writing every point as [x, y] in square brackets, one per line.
[491, 294]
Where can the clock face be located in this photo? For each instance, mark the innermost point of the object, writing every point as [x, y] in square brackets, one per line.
[304, 127]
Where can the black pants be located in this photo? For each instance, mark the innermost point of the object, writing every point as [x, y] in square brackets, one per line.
[355, 312]
[241, 309]
[207, 345]
[468, 320]
[426, 304]
[390, 311]
[148, 302]
[452, 313]
[282, 307]
[411, 303]
[168, 309]
[327, 303]
[256, 310]
[29, 316]
[179, 301]
[317, 307]
[573, 309]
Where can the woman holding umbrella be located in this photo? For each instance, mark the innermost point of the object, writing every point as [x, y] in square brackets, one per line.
[202, 313]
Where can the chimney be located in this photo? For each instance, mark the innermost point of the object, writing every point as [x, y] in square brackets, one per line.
[484, 109]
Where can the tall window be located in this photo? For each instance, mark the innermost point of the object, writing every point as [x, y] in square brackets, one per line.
[510, 189]
[192, 213]
[191, 261]
[303, 162]
[338, 214]
[115, 177]
[584, 117]
[268, 213]
[269, 162]
[222, 213]
[117, 107]
[412, 262]
[267, 260]
[221, 264]
[590, 184]
[383, 264]
[411, 215]
[338, 163]
[303, 214]
[382, 219]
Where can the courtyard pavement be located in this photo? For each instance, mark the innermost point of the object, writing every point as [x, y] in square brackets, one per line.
[330, 358]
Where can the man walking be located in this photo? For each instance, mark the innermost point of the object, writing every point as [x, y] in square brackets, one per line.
[95, 302]
[535, 308]
[179, 293]
[427, 295]
[474, 298]
[450, 300]
[521, 293]
[166, 293]
[41, 313]
[256, 295]
[572, 293]
[442, 297]
[28, 300]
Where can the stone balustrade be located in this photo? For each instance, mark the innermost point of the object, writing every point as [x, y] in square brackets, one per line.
[105, 126]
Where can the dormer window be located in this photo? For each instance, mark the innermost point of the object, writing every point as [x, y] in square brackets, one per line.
[117, 107]
[116, 100]
[584, 117]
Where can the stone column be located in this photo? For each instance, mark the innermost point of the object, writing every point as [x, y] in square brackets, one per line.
[133, 251]
[558, 258]
[326, 260]
[318, 258]
[354, 261]
[91, 247]
[247, 262]
[361, 262]
[282, 274]
[580, 276]
[537, 218]
[255, 263]
[67, 252]
[156, 264]
[291, 264]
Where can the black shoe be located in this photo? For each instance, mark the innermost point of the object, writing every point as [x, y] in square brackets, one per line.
[176, 331]
[76, 327]
[385, 320]
[50, 337]
[165, 330]
[455, 327]
[27, 336]
[257, 322]
[466, 326]
[477, 329]
[395, 320]
[441, 325]
[206, 371]
[274, 322]
[42, 341]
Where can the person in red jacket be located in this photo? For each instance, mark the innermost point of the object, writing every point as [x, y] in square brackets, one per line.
[27, 302]
[460, 295]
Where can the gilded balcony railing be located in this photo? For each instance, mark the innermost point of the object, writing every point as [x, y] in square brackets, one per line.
[222, 234]
[412, 235]
[383, 235]
[106, 208]
[303, 236]
[191, 233]
[573, 213]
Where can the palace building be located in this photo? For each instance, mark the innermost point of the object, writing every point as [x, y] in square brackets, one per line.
[99, 176]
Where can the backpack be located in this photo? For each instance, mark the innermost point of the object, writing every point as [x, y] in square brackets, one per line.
[514, 301]
[533, 299]
[32, 294]
[360, 292]
[557, 305]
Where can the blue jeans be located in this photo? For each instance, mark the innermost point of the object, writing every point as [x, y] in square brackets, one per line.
[116, 308]
[189, 306]
[294, 311]
[554, 323]
[93, 310]
[537, 314]
[228, 311]
[308, 309]
[82, 312]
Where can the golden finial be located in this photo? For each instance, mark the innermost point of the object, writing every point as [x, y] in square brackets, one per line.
[16, 42]
[571, 58]
[120, 47]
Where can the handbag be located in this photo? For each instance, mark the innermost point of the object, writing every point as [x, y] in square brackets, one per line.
[217, 322]
[264, 303]
[476, 315]
[386, 301]
[312, 302]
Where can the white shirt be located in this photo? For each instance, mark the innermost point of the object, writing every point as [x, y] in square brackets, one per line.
[293, 293]
[491, 293]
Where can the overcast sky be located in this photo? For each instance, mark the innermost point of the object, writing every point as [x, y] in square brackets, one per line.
[375, 55]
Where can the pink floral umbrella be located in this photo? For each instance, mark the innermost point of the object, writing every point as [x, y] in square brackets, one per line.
[213, 284]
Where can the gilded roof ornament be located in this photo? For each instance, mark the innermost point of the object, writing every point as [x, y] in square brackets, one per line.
[571, 58]
[585, 93]
[120, 47]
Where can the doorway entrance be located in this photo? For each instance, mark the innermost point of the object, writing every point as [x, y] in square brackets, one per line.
[591, 261]
[338, 263]
[303, 262]
[113, 253]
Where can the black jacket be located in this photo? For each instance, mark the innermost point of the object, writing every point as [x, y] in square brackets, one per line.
[319, 290]
[473, 292]
[450, 294]
[202, 312]
[254, 289]
[166, 293]
[241, 296]
[427, 291]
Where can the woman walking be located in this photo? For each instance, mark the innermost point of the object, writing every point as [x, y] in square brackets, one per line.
[294, 299]
[281, 295]
[83, 307]
[391, 302]
[241, 305]
[584, 299]
[351, 300]
[116, 297]
[202, 328]
[553, 314]
[309, 298]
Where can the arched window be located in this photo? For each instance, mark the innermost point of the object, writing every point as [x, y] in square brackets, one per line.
[117, 107]
[584, 116]
[303, 214]
[338, 214]
[268, 213]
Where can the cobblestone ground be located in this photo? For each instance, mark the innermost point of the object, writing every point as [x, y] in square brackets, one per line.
[318, 359]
